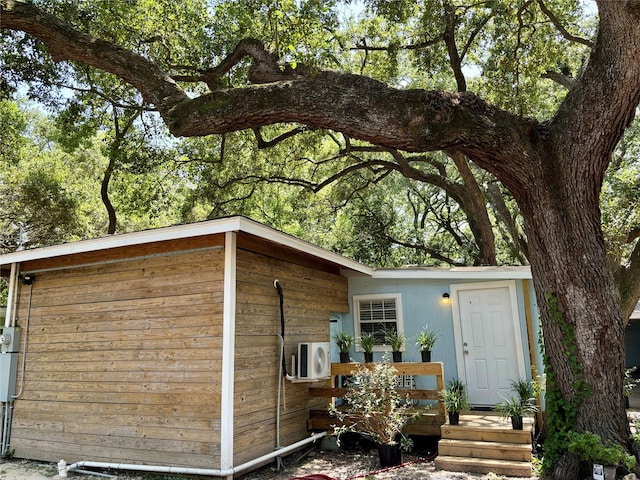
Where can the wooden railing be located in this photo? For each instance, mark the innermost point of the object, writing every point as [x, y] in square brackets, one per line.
[434, 369]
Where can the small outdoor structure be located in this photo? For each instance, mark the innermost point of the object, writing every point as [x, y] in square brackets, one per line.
[162, 348]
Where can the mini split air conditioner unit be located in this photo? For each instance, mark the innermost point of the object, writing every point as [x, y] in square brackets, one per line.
[314, 360]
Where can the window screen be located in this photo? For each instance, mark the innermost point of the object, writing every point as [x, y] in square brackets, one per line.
[377, 315]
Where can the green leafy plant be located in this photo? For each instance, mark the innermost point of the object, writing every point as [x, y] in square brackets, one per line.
[394, 339]
[454, 397]
[590, 448]
[367, 342]
[635, 437]
[514, 408]
[524, 389]
[343, 341]
[375, 409]
[426, 339]
[560, 412]
[629, 381]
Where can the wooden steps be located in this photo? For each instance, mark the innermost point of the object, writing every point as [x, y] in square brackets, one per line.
[483, 465]
[491, 450]
[485, 443]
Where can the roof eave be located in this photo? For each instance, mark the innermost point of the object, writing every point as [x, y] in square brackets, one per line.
[464, 273]
[212, 227]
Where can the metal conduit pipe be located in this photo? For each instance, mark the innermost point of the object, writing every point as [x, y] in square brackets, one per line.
[24, 344]
[6, 429]
[12, 295]
[63, 469]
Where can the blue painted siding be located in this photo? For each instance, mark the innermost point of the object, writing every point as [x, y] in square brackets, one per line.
[422, 304]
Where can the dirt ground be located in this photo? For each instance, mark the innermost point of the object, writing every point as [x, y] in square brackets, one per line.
[356, 462]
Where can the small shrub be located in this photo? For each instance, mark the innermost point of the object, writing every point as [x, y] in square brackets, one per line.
[590, 448]
[375, 408]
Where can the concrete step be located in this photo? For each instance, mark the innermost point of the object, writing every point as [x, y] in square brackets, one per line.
[491, 450]
[483, 465]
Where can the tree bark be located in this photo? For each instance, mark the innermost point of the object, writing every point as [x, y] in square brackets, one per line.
[104, 195]
[476, 212]
[584, 336]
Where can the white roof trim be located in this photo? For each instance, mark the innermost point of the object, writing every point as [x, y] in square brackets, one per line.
[231, 224]
[466, 273]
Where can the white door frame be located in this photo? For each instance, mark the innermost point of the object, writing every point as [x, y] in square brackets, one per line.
[457, 322]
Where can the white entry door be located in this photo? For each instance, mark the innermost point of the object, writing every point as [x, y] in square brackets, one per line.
[488, 340]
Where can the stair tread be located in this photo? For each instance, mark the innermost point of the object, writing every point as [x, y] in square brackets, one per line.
[485, 461]
[481, 465]
[486, 428]
[486, 444]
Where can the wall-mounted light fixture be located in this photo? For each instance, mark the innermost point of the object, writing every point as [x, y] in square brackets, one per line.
[446, 298]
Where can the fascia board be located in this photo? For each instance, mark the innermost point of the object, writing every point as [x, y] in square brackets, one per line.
[212, 227]
[461, 273]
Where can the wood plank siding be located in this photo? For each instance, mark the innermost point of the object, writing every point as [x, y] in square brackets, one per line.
[124, 356]
[312, 290]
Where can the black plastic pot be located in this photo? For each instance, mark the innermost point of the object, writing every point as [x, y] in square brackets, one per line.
[454, 418]
[516, 423]
[397, 356]
[344, 357]
[368, 357]
[426, 355]
[390, 455]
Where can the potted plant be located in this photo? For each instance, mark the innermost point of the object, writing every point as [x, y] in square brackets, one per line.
[376, 411]
[455, 400]
[366, 342]
[517, 407]
[395, 341]
[343, 341]
[425, 341]
[590, 448]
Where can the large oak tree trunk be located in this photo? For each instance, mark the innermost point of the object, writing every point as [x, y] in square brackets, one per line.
[580, 311]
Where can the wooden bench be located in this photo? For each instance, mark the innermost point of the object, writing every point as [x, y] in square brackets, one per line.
[428, 424]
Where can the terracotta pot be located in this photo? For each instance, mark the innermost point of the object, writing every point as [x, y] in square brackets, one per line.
[426, 355]
[390, 455]
[344, 357]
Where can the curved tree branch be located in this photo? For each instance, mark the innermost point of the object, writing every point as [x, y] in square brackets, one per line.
[560, 27]
[358, 106]
[262, 143]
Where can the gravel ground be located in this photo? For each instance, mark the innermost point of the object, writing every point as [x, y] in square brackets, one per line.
[357, 461]
[361, 462]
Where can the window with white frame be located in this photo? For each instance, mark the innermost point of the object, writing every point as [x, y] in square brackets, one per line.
[377, 314]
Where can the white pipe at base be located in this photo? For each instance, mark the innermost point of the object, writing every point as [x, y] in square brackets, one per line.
[190, 470]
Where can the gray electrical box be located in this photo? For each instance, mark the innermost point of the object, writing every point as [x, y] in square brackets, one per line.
[8, 374]
[9, 346]
[10, 340]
